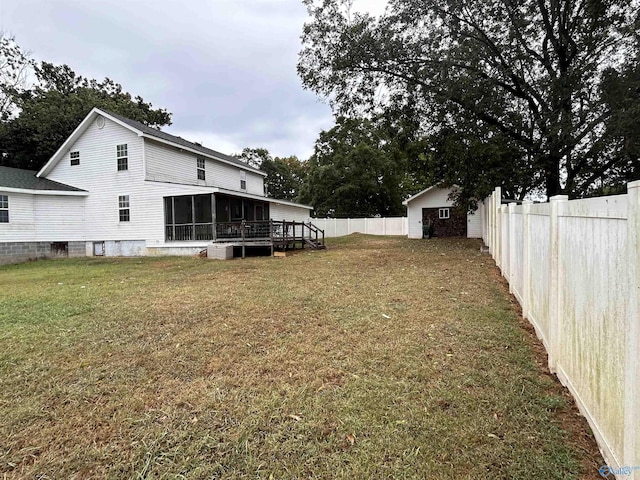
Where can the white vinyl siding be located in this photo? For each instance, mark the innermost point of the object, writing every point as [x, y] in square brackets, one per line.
[43, 218]
[287, 212]
[59, 218]
[99, 176]
[173, 165]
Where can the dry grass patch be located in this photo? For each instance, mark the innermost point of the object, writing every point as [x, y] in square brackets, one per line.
[381, 357]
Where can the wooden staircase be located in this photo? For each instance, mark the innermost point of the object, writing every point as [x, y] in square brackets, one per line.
[315, 240]
[280, 235]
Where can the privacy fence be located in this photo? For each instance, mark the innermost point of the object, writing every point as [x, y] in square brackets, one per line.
[338, 227]
[574, 266]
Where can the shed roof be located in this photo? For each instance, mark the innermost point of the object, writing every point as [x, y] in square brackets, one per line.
[21, 179]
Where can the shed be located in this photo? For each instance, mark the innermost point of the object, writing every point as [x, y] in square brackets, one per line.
[432, 206]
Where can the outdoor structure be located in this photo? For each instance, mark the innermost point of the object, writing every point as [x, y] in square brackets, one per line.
[432, 213]
[118, 187]
[574, 267]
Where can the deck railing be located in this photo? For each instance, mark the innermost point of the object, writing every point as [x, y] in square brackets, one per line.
[275, 231]
[189, 232]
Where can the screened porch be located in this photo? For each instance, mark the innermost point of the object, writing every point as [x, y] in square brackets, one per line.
[213, 217]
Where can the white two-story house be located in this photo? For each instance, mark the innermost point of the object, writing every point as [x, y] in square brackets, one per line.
[118, 187]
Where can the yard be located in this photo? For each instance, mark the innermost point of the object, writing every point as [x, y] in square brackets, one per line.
[379, 358]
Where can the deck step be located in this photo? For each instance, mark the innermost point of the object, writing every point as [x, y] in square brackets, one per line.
[314, 245]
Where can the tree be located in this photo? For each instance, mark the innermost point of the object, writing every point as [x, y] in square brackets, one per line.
[350, 174]
[55, 106]
[14, 67]
[621, 92]
[254, 157]
[528, 74]
[285, 176]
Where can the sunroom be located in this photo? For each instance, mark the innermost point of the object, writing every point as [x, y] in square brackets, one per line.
[215, 217]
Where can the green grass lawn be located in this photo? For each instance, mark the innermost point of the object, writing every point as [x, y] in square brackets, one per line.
[379, 358]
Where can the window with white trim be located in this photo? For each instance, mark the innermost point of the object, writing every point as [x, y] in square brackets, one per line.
[200, 165]
[74, 158]
[123, 207]
[4, 208]
[443, 213]
[122, 156]
[243, 180]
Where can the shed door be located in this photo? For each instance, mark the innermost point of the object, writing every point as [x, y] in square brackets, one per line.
[446, 221]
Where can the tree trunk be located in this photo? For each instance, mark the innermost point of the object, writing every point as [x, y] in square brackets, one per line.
[552, 177]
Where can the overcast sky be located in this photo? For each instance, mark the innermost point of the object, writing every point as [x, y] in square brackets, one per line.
[226, 69]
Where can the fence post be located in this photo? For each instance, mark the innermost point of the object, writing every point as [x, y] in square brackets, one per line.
[555, 289]
[526, 258]
[631, 451]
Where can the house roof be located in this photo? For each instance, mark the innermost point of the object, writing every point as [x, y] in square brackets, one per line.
[20, 179]
[148, 132]
[258, 197]
[159, 134]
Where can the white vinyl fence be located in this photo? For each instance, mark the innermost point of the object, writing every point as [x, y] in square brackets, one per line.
[338, 227]
[574, 266]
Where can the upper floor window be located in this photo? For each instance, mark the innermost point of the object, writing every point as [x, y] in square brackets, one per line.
[122, 156]
[4, 209]
[243, 180]
[123, 206]
[201, 174]
[75, 158]
[443, 213]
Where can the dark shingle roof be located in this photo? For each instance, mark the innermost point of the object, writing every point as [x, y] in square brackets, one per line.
[27, 180]
[154, 132]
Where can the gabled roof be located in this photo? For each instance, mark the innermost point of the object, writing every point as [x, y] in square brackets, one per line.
[19, 179]
[143, 130]
[419, 194]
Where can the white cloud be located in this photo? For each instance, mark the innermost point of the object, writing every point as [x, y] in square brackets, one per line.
[226, 69]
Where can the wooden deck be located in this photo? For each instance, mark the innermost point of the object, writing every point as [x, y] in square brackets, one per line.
[280, 235]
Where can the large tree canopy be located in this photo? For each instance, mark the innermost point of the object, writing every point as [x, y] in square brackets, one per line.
[50, 110]
[285, 176]
[352, 175]
[524, 77]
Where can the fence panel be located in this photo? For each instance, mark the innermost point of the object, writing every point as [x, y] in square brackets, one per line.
[539, 270]
[338, 227]
[516, 253]
[574, 266]
[594, 279]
